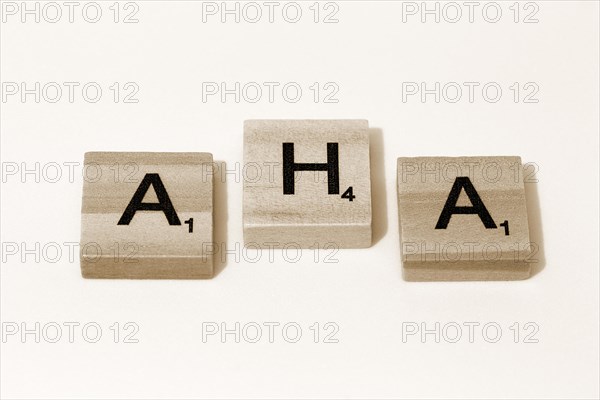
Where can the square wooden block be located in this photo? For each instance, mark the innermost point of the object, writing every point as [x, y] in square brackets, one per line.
[147, 216]
[463, 218]
[307, 183]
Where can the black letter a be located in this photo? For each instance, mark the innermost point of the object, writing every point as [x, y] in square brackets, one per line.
[164, 203]
[463, 182]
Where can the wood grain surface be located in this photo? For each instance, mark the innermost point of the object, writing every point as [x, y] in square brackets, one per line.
[149, 246]
[465, 248]
[312, 216]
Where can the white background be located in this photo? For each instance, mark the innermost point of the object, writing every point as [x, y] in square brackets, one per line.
[368, 54]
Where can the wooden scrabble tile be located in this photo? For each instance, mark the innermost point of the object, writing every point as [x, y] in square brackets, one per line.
[147, 216]
[463, 218]
[307, 183]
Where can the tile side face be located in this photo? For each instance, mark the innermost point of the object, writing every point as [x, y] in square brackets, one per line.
[307, 183]
[147, 216]
[463, 218]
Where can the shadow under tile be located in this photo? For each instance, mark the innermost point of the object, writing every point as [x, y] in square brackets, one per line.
[378, 185]
[220, 216]
[536, 234]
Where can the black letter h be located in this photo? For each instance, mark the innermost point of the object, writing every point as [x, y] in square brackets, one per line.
[332, 168]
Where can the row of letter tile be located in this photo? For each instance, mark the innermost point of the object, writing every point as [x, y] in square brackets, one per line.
[307, 184]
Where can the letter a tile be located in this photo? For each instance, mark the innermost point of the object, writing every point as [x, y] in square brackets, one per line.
[463, 218]
[147, 216]
[307, 183]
